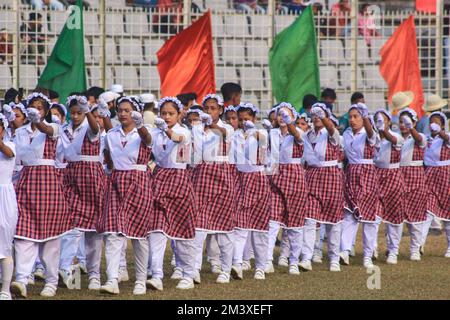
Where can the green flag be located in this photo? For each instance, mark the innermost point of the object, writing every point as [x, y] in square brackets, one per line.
[65, 71]
[293, 63]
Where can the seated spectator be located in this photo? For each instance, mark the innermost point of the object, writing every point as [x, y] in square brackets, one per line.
[248, 6]
[297, 6]
[50, 4]
[31, 35]
[341, 13]
[143, 3]
[366, 24]
[6, 47]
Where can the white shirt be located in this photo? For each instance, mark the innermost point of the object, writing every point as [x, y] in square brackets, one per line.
[7, 164]
[406, 157]
[245, 150]
[72, 139]
[354, 145]
[315, 156]
[433, 152]
[208, 145]
[123, 148]
[170, 154]
[282, 147]
[382, 157]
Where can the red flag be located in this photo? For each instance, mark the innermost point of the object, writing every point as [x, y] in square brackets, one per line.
[399, 64]
[186, 62]
[426, 6]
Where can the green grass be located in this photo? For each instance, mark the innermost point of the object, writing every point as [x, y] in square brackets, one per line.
[426, 279]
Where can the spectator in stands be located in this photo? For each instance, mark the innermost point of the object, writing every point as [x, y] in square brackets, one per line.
[31, 35]
[329, 97]
[50, 4]
[93, 93]
[13, 95]
[308, 101]
[150, 109]
[54, 96]
[341, 13]
[231, 93]
[320, 19]
[248, 6]
[6, 47]
[168, 17]
[366, 24]
[297, 6]
[344, 120]
[143, 3]
[446, 39]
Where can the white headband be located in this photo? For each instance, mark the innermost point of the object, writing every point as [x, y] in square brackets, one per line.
[138, 106]
[443, 117]
[411, 112]
[286, 105]
[387, 113]
[197, 111]
[334, 119]
[19, 106]
[322, 106]
[4, 121]
[230, 108]
[170, 99]
[213, 96]
[36, 95]
[247, 106]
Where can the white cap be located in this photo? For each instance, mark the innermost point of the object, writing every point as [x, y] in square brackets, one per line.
[147, 98]
[117, 88]
[109, 96]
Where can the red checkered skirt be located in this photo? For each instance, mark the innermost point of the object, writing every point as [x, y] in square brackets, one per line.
[174, 204]
[325, 194]
[289, 197]
[253, 208]
[438, 183]
[391, 207]
[84, 183]
[362, 191]
[43, 212]
[128, 204]
[215, 195]
[415, 201]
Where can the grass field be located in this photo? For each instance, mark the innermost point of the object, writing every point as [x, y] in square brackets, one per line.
[426, 279]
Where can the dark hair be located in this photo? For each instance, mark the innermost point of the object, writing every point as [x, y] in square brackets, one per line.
[48, 115]
[33, 16]
[356, 96]
[196, 107]
[309, 100]
[53, 94]
[186, 97]
[94, 92]
[328, 93]
[11, 94]
[441, 120]
[228, 89]
[59, 109]
[249, 110]
[72, 103]
[173, 104]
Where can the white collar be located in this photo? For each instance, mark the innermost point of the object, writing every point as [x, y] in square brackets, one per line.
[122, 133]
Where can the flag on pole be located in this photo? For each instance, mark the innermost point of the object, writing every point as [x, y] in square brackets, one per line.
[65, 71]
[186, 61]
[293, 61]
[426, 5]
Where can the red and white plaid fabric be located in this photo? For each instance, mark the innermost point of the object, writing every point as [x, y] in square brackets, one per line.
[438, 182]
[215, 194]
[289, 198]
[253, 202]
[392, 194]
[416, 194]
[361, 191]
[174, 204]
[42, 206]
[325, 194]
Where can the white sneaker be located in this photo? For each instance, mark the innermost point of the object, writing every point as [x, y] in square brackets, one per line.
[123, 275]
[94, 284]
[177, 274]
[283, 261]
[236, 272]
[31, 280]
[223, 278]
[216, 269]
[19, 289]
[259, 274]
[305, 265]
[185, 284]
[269, 267]
[5, 296]
[335, 267]
[197, 278]
[367, 263]
[344, 258]
[293, 269]
[173, 262]
[246, 265]
[155, 284]
[39, 273]
[139, 288]
[111, 287]
[415, 256]
[447, 254]
[66, 277]
[316, 258]
[391, 259]
[353, 252]
[48, 291]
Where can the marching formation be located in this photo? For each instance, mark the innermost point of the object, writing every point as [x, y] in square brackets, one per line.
[123, 168]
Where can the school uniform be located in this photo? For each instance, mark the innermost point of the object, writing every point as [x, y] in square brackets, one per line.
[10, 136]
[325, 191]
[392, 189]
[214, 185]
[43, 214]
[174, 202]
[128, 202]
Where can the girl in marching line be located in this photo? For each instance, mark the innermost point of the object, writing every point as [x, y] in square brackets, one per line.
[174, 213]
[437, 172]
[303, 122]
[128, 201]
[43, 214]
[361, 185]
[84, 186]
[8, 209]
[411, 166]
[289, 199]
[249, 152]
[230, 117]
[325, 186]
[390, 182]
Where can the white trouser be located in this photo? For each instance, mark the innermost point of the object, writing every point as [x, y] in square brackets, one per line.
[447, 232]
[309, 238]
[212, 250]
[185, 257]
[123, 256]
[93, 250]
[158, 242]
[393, 237]
[295, 238]
[225, 244]
[81, 252]
[69, 247]
[415, 230]
[426, 228]
[248, 250]
[259, 242]
[284, 245]
[320, 236]
[114, 244]
[333, 233]
[274, 228]
[27, 251]
[349, 229]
